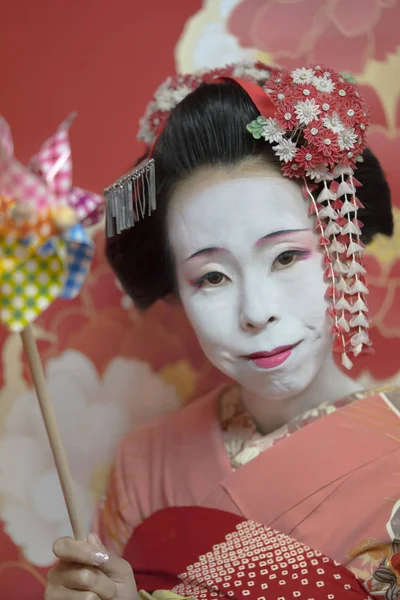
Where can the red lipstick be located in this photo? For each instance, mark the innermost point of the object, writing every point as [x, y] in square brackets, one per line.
[269, 360]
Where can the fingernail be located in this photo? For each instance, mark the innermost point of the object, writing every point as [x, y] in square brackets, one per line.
[100, 558]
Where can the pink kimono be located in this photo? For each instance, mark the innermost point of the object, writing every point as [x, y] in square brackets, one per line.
[333, 484]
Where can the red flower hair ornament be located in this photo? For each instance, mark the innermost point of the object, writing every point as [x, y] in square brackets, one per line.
[316, 123]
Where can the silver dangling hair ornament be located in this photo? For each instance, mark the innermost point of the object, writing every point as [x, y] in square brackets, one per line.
[131, 198]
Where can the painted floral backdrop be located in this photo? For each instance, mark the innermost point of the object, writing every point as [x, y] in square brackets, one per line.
[111, 369]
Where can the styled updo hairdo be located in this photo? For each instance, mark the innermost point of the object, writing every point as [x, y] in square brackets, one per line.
[208, 128]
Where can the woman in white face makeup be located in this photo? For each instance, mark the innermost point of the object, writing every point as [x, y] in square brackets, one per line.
[267, 268]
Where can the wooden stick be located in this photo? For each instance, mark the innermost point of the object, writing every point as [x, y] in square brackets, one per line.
[46, 407]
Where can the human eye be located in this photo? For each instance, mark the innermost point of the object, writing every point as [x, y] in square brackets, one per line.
[288, 258]
[211, 279]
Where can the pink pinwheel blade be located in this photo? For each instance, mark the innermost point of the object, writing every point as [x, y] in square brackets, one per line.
[53, 162]
[17, 182]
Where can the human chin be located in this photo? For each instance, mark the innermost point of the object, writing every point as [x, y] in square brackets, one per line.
[282, 381]
[296, 373]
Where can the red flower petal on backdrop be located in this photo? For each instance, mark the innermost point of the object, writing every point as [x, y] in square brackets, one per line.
[362, 29]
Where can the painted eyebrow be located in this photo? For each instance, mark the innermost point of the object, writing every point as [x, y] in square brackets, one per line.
[280, 233]
[269, 236]
[212, 250]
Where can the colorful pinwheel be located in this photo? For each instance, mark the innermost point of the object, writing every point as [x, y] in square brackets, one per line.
[45, 251]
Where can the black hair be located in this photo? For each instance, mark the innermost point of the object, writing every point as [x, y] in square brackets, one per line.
[208, 128]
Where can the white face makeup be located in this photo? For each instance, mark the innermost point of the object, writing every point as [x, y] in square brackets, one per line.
[250, 278]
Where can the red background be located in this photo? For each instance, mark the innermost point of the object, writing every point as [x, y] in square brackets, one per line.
[101, 58]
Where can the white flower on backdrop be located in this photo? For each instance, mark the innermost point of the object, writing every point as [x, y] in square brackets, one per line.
[206, 42]
[216, 48]
[93, 414]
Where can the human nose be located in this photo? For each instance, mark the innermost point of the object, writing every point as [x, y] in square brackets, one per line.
[259, 306]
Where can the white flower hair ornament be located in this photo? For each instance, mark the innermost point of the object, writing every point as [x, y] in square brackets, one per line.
[316, 122]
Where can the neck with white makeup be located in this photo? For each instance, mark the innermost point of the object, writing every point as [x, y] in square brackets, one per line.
[329, 385]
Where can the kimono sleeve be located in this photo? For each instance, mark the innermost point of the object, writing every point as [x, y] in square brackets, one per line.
[120, 510]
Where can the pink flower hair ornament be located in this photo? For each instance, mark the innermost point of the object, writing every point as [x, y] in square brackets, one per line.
[316, 122]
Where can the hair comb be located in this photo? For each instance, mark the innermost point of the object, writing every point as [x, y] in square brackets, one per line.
[131, 198]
